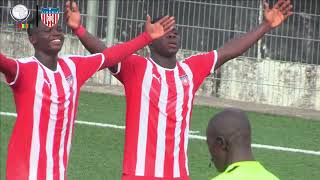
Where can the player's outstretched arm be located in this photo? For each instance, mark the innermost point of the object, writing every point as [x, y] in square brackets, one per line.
[8, 67]
[272, 18]
[115, 54]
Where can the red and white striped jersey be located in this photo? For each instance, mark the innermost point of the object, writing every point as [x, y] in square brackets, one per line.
[46, 104]
[159, 106]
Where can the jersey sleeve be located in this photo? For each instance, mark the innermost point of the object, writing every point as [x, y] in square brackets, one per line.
[201, 66]
[86, 66]
[12, 81]
[8, 66]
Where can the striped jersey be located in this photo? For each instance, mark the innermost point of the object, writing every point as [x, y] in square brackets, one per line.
[159, 106]
[46, 104]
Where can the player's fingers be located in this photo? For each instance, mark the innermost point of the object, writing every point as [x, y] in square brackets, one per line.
[284, 6]
[162, 19]
[169, 25]
[168, 21]
[288, 14]
[148, 20]
[278, 4]
[168, 30]
[68, 4]
[67, 16]
[289, 9]
[266, 5]
[74, 6]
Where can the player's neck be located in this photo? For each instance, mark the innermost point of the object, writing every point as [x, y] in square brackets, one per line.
[166, 62]
[239, 155]
[48, 60]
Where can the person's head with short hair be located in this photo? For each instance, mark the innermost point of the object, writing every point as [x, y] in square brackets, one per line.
[168, 45]
[43, 38]
[229, 138]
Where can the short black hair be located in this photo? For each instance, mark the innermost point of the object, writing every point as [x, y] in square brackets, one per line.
[33, 23]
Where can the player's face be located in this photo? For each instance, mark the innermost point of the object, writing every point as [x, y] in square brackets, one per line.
[49, 39]
[168, 45]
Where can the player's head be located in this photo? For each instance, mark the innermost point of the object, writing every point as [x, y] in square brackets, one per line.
[44, 38]
[168, 45]
[228, 138]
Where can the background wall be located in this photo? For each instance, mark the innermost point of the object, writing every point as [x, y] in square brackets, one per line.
[282, 69]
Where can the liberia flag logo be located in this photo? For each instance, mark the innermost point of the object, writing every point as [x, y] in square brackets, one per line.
[69, 79]
[50, 16]
[185, 80]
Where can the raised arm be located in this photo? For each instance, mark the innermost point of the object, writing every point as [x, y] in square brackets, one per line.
[115, 54]
[272, 18]
[8, 67]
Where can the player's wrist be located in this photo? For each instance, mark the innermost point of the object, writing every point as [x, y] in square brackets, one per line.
[267, 26]
[80, 31]
[148, 38]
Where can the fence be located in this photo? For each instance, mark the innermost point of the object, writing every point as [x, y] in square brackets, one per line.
[281, 69]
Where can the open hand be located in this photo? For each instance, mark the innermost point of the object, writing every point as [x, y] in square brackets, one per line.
[72, 15]
[159, 28]
[279, 12]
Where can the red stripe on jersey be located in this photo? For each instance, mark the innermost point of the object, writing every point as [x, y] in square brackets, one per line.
[59, 126]
[132, 127]
[17, 168]
[67, 73]
[171, 124]
[43, 127]
[46, 20]
[182, 159]
[152, 123]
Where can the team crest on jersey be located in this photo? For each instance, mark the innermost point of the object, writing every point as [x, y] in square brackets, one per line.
[69, 79]
[50, 16]
[185, 80]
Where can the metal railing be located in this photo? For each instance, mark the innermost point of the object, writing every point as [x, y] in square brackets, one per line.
[291, 51]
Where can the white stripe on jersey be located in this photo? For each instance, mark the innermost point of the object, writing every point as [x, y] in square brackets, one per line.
[52, 124]
[143, 122]
[72, 67]
[215, 61]
[66, 87]
[35, 141]
[186, 134]
[17, 74]
[179, 118]
[162, 123]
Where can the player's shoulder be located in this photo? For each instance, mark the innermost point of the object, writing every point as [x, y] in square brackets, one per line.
[136, 59]
[199, 55]
[96, 55]
[26, 60]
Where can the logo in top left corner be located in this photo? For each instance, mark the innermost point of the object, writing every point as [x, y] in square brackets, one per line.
[19, 13]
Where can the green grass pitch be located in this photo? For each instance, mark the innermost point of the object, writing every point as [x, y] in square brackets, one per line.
[96, 152]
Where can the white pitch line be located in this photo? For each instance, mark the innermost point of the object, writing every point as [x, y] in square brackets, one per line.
[259, 146]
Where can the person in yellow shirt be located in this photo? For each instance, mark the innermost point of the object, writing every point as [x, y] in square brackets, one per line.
[229, 143]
